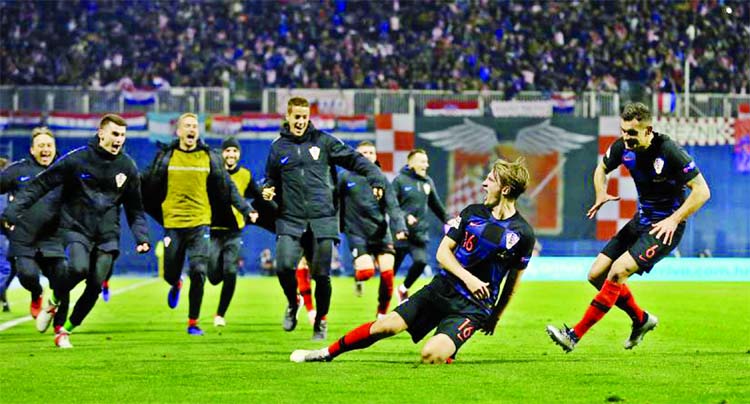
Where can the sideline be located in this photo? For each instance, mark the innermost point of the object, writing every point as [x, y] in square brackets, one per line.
[20, 320]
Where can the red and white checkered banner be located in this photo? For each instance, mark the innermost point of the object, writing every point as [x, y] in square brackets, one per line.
[613, 215]
[394, 139]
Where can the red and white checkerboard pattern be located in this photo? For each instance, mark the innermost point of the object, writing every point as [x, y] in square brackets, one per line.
[394, 139]
[466, 190]
[613, 215]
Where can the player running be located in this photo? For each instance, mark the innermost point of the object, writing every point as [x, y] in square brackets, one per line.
[661, 170]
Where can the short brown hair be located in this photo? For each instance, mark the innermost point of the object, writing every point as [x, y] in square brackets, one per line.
[297, 102]
[515, 175]
[638, 111]
[365, 143]
[39, 131]
[415, 151]
[114, 118]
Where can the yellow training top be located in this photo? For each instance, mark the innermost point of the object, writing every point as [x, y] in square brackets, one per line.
[187, 204]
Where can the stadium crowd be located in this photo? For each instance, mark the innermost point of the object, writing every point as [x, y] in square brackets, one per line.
[463, 45]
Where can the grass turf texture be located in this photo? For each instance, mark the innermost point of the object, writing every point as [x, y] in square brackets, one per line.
[135, 349]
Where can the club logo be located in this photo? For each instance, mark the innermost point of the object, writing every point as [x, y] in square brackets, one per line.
[284, 160]
[511, 239]
[426, 188]
[315, 152]
[167, 241]
[120, 179]
[658, 165]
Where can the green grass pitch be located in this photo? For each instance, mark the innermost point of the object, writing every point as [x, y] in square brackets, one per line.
[135, 349]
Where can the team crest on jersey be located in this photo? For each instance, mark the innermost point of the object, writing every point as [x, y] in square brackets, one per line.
[120, 179]
[426, 188]
[315, 152]
[167, 241]
[658, 165]
[511, 239]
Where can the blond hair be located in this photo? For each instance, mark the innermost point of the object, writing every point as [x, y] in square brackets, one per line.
[512, 174]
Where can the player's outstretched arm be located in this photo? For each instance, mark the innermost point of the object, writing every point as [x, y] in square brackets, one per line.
[699, 194]
[600, 187]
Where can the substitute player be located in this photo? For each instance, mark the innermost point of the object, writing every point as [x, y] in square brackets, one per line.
[486, 244]
[96, 180]
[188, 188]
[301, 169]
[415, 192]
[226, 236]
[35, 245]
[367, 230]
[661, 171]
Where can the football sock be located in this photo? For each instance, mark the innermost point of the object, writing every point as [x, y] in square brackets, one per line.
[603, 301]
[364, 274]
[192, 322]
[69, 326]
[322, 296]
[289, 285]
[357, 338]
[385, 292]
[303, 283]
[627, 303]
[227, 291]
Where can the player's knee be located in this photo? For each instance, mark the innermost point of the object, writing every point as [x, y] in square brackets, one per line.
[618, 274]
[391, 324]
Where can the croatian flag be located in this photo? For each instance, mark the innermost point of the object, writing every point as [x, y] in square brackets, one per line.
[139, 97]
[19, 119]
[356, 123]
[324, 122]
[564, 102]
[452, 108]
[258, 122]
[667, 103]
[226, 125]
[4, 120]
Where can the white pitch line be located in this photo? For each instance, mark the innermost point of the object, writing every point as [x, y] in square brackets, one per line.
[12, 323]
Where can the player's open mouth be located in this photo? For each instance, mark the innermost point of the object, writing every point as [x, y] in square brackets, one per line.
[191, 136]
[115, 148]
[631, 143]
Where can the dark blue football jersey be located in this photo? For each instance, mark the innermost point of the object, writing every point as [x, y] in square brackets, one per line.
[660, 172]
[489, 248]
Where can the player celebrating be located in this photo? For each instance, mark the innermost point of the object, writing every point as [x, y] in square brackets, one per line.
[415, 191]
[35, 247]
[367, 230]
[301, 168]
[661, 171]
[188, 188]
[487, 243]
[226, 238]
[96, 180]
